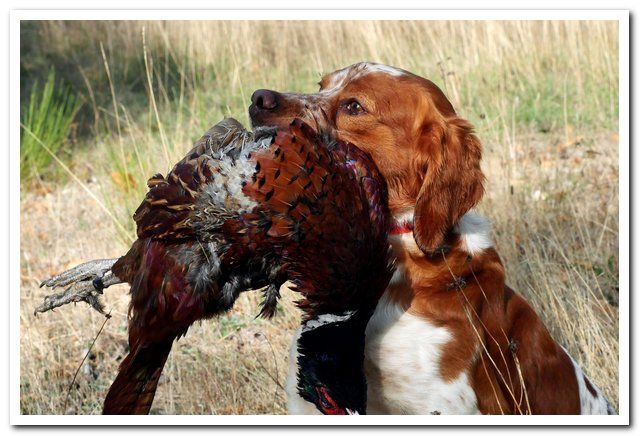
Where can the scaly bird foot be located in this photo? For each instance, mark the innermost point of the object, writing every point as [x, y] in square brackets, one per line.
[86, 284]
[84, 271]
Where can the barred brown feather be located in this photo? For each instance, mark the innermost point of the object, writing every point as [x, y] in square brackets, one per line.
[237, 214]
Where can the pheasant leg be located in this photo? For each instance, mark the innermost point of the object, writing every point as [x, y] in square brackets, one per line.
[86, 282]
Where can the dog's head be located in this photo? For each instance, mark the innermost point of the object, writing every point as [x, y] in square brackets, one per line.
[428, 155]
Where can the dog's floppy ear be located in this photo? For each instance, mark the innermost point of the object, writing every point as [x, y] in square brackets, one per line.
[453, 180]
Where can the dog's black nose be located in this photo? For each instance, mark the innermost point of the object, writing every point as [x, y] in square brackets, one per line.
[265, 99]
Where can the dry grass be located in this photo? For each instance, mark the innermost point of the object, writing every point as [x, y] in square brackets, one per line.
[543, 96]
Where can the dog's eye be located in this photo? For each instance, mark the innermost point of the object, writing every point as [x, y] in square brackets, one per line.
[353, 107]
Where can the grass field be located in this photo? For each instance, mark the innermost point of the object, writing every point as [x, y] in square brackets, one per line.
[544, 99]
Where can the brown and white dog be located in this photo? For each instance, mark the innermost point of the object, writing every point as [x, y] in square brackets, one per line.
[448, 336]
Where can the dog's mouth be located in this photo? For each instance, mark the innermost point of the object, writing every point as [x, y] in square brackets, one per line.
[264, 125]
[257, 116]
[261, 132]
[261, 118]
[271, 108]
[268, 108]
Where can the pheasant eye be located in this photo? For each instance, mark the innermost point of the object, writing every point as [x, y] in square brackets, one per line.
[326, 404]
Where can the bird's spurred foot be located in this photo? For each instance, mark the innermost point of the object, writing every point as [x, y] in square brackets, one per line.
[86, 283]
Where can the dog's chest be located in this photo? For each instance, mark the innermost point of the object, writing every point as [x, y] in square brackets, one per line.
[402, 355]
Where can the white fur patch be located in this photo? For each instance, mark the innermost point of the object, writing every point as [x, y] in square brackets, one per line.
[338, 80]
[403, 217]
[373, 67]
[399, 275]
[590, 404]
[473, 228]
[475, 232]
[403, 239]
[402, 365]
[402, 355]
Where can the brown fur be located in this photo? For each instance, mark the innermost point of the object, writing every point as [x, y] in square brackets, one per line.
[431, 161]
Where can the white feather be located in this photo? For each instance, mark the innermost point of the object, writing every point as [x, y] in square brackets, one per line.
[324, 319]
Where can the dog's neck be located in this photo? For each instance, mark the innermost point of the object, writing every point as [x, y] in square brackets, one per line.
[467, 247]
[402, 223]
[474, 230]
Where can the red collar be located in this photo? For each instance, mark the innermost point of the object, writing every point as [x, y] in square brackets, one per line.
[401, 228]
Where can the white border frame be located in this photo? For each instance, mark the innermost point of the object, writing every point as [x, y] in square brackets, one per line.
[622, 16]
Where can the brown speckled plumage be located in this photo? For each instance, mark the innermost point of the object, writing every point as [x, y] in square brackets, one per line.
[241, 212]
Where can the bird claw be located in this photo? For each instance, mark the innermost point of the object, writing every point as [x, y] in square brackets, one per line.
[86, 283]
[84, 271]
[81, 291]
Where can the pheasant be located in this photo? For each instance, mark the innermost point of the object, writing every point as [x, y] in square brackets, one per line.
[244, 212]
